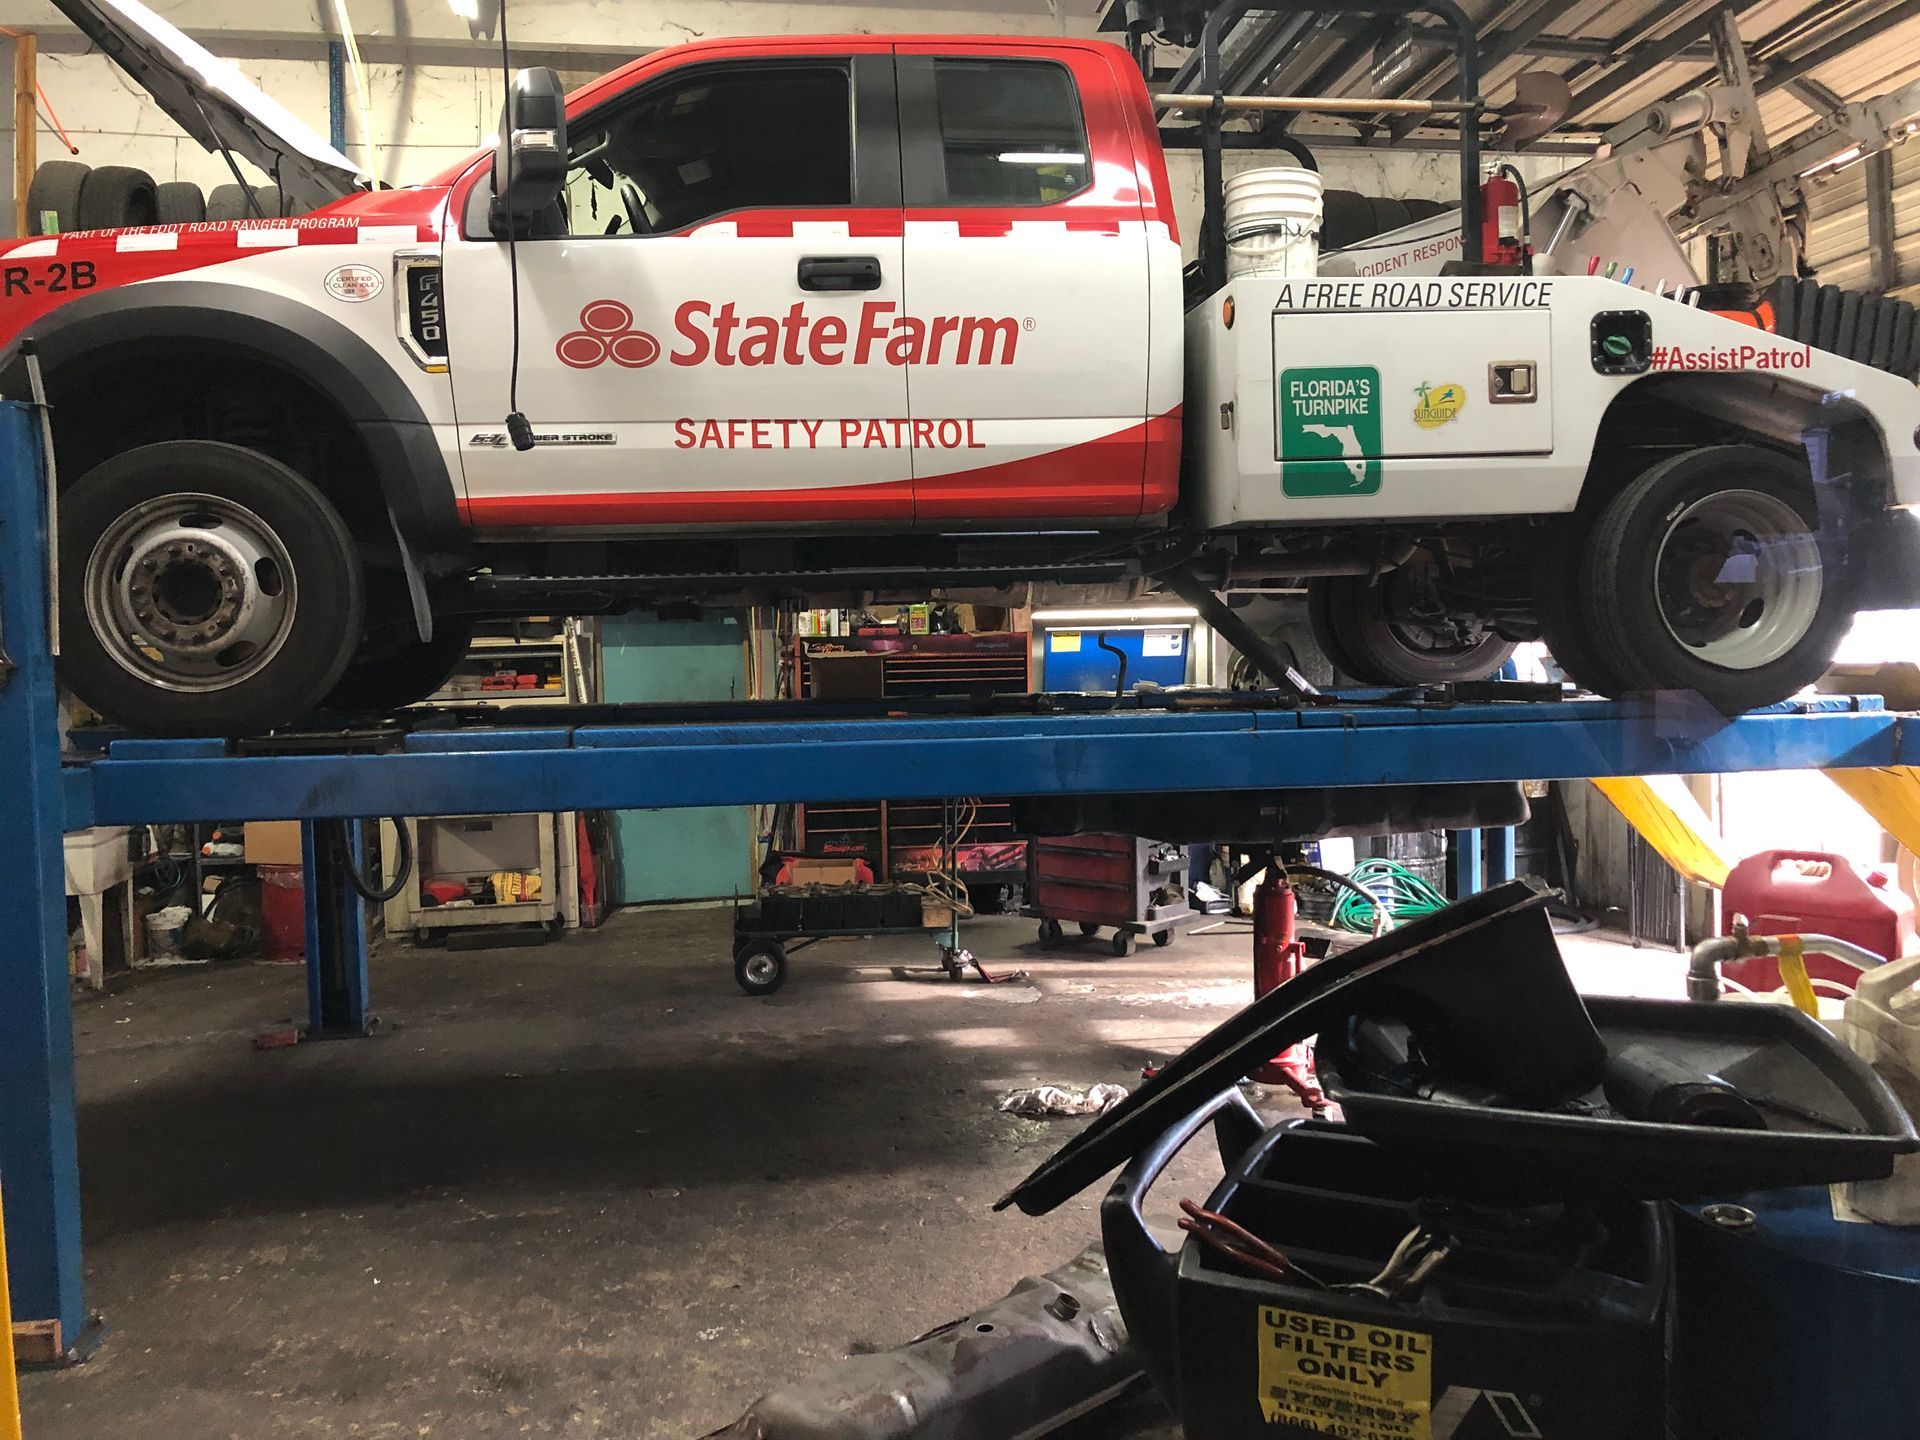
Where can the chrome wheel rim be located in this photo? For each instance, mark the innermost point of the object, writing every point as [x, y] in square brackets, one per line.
[191, 593]
[761, 969]
[1738, 578]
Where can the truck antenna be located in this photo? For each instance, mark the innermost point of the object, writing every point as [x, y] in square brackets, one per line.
[518, 429]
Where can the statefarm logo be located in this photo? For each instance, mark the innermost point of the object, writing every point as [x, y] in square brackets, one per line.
[723, 336]
[606, 333]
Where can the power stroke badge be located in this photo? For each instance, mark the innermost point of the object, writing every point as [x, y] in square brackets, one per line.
[1329, 431]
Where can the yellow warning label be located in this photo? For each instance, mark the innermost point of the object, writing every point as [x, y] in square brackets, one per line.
[1340, 1377]
[1061, 640]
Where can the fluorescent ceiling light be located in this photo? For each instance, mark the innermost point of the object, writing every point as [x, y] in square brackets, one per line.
[1838, 162]
[1142, 612]
[1042, 157]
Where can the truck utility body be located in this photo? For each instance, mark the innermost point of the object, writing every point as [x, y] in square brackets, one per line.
[843, 312]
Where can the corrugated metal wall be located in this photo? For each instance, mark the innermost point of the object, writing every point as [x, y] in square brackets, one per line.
[1837, 232]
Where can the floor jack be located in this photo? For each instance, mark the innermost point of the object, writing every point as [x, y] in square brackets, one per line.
[1279, 954]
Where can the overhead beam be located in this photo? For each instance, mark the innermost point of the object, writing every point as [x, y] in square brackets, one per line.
[1779, 46]
[1188, 138]
[375, 49]
[1786, 69]
[1815, 96]
[1273, 32]
[1882, 253]
[1498, 46]
[1641, 61]
[1503, 43]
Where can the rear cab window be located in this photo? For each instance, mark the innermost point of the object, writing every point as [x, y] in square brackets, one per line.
[1011, 132]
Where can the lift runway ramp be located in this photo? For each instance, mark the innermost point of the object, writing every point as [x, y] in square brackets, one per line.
[662, 757]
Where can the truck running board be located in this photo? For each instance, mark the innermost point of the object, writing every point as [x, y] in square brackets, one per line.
[604, 594]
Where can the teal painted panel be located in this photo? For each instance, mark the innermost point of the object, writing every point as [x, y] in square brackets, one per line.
[666, 855]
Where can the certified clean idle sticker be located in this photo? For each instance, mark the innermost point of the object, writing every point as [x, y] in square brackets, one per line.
[1330, 431]
[1345, 1378]
[354, 282]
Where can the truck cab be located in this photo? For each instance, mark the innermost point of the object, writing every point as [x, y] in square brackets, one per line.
[831, 283]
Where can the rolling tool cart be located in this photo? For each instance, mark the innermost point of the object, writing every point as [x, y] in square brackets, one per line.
[1135, 886]
[782, 919]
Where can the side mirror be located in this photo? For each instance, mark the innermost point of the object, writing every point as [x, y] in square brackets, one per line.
[530, 162]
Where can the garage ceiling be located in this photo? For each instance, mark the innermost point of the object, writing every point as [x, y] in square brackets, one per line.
[1619, 58]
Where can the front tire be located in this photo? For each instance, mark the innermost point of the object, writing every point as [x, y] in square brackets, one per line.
[399, 668]
[205, 589]
[1709, 573]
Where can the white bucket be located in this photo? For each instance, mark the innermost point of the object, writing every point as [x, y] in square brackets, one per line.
[1273, 222]
[164, 928]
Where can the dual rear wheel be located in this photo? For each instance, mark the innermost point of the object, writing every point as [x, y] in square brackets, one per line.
[1709, 572]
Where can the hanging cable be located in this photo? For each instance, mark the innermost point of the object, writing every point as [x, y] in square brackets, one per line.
[517, 427]
[402, 866]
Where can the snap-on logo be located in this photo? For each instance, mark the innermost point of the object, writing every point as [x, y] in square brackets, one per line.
[606, 333]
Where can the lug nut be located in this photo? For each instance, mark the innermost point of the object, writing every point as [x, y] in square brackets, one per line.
[1729, 1217]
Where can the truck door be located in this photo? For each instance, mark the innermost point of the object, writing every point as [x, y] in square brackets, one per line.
[1028, 278]
[703, 331]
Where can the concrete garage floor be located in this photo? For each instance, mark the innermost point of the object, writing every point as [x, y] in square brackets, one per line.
[589, 1188]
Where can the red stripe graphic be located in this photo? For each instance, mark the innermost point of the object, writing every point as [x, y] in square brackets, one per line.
[1098, 479]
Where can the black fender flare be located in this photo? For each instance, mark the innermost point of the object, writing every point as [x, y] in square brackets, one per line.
[281, 334]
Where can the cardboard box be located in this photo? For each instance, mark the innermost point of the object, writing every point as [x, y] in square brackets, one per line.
[813, 870]
[272, 842]
[847, 676]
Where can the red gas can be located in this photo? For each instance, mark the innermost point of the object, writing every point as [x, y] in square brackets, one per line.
[1785, 892]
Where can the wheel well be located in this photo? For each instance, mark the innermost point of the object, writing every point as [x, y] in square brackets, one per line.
[1833, 435]
[147, 394]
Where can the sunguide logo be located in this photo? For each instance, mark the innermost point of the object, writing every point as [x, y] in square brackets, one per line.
[721, 335]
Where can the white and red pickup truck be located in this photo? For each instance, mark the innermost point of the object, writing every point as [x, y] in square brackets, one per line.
[846, 313]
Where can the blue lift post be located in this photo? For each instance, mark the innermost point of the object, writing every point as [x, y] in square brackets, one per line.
[39, 1160]
[336, 932]
[752, 760]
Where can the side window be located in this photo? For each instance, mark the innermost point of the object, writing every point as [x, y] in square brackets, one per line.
[1010, 132]
[714, 140]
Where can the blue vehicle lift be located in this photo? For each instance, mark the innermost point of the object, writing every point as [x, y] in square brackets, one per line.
[729, 761]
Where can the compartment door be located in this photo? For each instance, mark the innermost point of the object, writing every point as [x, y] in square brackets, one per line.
[1358, 390]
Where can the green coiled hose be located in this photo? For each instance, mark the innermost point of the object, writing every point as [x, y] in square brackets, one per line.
[1405, 895]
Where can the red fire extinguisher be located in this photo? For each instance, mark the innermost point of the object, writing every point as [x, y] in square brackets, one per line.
[1279, 954]
[1503, 231]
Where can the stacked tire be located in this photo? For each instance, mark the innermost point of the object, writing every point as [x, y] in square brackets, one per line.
[53, 199]
[180, 203]
[67, 195]
[231, 202]
[1348, 217]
